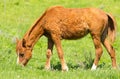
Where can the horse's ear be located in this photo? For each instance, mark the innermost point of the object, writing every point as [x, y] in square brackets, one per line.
[23, 43]
[17, 40]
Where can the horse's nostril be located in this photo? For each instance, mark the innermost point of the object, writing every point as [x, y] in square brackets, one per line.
[21, 55]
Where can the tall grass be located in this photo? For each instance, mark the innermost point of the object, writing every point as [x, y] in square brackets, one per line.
[16, 17]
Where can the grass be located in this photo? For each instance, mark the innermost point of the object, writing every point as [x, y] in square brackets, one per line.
[16, 17]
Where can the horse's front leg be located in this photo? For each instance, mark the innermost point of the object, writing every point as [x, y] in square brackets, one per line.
[57, 43]
[49, 53]
[98, 51]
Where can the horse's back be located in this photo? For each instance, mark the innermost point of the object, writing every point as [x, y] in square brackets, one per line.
[73, 23]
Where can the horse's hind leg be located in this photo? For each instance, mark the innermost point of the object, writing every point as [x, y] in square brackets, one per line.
[111, 52]
[49, 53]
[98, 50]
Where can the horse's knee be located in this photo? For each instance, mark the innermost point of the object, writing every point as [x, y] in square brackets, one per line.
[112, 54]
[49, 53]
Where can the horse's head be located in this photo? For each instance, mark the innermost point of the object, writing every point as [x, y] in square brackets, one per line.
[23, 53]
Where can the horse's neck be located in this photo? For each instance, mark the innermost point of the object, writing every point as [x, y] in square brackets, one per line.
[35, 32]
[32, 36]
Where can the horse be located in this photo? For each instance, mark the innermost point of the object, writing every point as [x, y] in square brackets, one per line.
[58, 23]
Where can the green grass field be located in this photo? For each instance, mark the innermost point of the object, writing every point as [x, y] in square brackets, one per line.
[16, 17]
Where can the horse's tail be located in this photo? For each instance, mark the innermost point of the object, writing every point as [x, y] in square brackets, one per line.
[111, 27]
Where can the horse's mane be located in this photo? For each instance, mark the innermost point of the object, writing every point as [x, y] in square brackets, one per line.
[34, 25]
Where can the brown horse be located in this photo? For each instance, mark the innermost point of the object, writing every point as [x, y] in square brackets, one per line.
[59, 23]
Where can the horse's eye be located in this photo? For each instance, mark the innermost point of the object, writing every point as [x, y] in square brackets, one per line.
[21, 55]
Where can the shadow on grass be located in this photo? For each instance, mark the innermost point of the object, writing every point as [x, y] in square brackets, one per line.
[71, 66]
[82, 65]
[86, 64]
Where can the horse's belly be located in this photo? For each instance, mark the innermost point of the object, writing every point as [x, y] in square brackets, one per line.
[74, 33]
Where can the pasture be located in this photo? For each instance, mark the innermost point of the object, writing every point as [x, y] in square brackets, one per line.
[16, 17]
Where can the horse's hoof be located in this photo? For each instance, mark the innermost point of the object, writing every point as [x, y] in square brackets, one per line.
[94, 67]
[65, 68]
[115, 68]
[47, 68]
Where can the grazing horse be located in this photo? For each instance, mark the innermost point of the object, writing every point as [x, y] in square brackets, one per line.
[59, 23]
